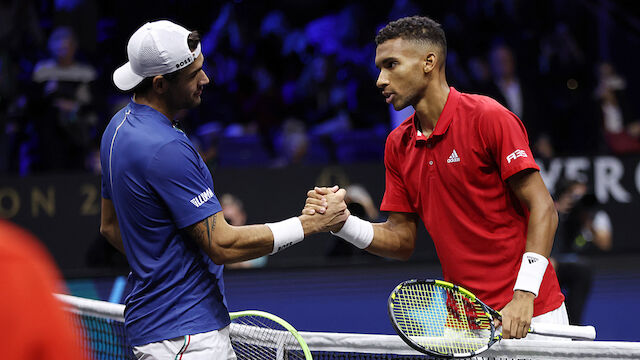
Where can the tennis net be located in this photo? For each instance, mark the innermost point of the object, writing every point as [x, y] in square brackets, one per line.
[101, 325]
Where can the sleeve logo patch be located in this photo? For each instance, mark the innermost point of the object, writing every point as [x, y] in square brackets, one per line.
[516, 154]
[202, 198]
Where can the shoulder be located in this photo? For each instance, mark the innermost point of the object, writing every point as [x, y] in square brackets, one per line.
[482, 106]
[43, 70]
[402, 134]
[83, 72]
[487, 112]
[173, 155]
[46, 70]
[116, 120]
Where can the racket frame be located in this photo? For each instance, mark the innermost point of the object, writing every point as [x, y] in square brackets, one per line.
[278, 320]
[447, 285]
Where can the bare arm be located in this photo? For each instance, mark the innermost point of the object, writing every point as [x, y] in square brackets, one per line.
[395, 238]
[543, 217]
[543, 221]
[226, 244]
[109, 227]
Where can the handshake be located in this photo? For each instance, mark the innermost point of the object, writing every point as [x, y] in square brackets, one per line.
[326, 210]
[329, 207]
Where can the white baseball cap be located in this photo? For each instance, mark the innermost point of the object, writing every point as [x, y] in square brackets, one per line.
[157, 48]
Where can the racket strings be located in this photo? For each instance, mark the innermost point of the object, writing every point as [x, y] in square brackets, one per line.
[258, 338]
[441, 319]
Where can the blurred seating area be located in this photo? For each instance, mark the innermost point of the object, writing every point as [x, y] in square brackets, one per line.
[294, 82]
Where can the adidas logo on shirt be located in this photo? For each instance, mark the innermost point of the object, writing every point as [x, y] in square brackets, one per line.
[453, 157]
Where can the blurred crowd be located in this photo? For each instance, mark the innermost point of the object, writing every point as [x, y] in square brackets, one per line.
[294, 82]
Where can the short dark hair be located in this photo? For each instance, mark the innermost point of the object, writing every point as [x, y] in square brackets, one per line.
[417, 28]
[145, 85]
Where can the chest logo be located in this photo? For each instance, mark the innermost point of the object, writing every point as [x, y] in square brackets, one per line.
[453, 157]
[516, 154]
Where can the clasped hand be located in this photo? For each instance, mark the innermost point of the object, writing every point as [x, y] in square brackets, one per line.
[329, 206]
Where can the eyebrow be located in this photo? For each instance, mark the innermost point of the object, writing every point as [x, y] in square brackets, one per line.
[385, 61]
[195, 71]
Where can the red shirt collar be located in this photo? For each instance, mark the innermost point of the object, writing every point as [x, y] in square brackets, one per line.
[443, 121]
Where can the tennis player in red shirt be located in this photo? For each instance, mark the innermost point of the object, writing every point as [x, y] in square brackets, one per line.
[462, 164]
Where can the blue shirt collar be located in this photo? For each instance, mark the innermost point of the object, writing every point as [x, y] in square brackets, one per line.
[148, 111]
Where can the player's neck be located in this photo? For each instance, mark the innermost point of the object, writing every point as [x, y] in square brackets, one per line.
[156, 104]
[430, 106]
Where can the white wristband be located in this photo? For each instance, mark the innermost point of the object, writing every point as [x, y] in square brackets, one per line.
[531, 272]
[286, 233]
[356, 231]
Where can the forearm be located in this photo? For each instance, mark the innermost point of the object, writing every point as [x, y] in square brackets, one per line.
[242, 243]
[393, 239]
[225, 244]
[390, 243]
[543, 217]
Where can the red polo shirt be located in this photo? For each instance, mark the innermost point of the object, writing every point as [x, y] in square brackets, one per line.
[455, 180]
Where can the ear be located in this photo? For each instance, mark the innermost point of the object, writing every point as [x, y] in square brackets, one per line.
[160, 84]
[429, 62]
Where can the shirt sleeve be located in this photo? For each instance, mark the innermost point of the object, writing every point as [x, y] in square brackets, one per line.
[506, 140]
[395, 194]
[183, 182]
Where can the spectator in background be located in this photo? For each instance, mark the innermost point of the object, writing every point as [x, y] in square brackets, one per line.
[61, 105]
[21, 38]
[511, 91]
[582, 230]
[621, 133]
[234, 213]
[34, 326]
[480, 80]
[566, 81]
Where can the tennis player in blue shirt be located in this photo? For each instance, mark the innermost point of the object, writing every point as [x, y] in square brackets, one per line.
[159, 206]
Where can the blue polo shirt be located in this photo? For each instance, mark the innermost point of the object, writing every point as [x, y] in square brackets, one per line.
[159, 184]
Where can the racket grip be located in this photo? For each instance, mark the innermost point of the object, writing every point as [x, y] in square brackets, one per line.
[566, 331]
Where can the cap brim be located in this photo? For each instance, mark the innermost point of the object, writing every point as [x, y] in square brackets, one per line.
[125, 79]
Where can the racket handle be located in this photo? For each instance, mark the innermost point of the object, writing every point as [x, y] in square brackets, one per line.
[566, 331]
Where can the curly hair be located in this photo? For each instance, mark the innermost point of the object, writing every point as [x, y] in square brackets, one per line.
[417, 28]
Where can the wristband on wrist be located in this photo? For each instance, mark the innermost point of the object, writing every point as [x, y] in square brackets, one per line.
[356, 231]
[531, 272]
[286, 233]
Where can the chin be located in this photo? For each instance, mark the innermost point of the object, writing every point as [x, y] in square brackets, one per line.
[195, 102]
[398, 107]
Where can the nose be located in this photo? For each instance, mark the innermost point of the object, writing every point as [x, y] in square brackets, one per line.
[205, 78]
[382, 81]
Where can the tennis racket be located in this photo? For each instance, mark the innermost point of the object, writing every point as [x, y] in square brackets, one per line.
[445, 320]
[259, 335]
